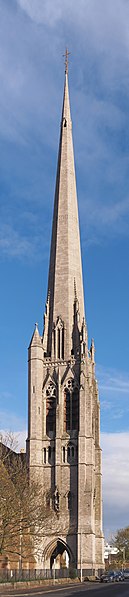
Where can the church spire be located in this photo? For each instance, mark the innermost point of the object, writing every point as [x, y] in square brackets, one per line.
[64, 421]
[65, 269]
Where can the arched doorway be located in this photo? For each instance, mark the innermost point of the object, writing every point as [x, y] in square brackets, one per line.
[59, 554]
[60, 557]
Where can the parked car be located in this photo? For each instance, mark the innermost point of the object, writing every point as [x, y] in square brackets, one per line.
[111, 576]
[120, 575]
[126, 573]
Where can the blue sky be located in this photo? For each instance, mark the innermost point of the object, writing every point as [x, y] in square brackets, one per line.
[33, 37]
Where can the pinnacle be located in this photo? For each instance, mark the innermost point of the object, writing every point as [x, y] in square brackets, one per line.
[36, 339]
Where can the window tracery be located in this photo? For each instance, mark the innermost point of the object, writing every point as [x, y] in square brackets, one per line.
[71, 454]
[71, 406]
[59, 339]
[50, 408]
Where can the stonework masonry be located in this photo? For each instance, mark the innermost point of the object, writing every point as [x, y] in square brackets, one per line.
[63, 445]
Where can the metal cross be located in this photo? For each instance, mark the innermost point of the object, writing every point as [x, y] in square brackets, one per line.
[66, 55]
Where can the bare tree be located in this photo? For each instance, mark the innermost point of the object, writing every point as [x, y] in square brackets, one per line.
[121, 541]
[23, 511]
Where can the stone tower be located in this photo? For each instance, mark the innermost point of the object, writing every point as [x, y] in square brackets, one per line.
[64, 413]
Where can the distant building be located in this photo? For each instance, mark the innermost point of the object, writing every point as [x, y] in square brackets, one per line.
[110, 550]
[63, 444]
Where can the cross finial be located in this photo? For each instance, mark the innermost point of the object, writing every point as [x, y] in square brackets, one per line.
[66, 55]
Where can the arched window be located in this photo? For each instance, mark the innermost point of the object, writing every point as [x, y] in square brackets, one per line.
[63, 453]
[75, 409]
[50, 408]
[63, 342]
[49, 454]
[69, 500]
[71, 407]
[44, 455]
[72, 452]
[59, 339]
[64, 122]
[58, 343]
[66, 410]
[68, 453]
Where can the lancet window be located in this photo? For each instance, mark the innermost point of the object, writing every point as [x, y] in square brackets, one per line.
[71, 454]
[69, 500]
[50, 408]
[63, 454]
[59, 339]
[44, 455]
[71, 406]
[49, 455]
[75, 409]
[66, 409]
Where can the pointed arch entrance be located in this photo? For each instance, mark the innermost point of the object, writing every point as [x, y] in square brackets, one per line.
[58, 551]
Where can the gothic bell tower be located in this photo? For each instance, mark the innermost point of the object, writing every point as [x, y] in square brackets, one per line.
[64, 426]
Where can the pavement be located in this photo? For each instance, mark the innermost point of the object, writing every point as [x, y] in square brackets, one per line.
[83, 590]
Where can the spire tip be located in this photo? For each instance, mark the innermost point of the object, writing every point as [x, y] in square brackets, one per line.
[66, 56]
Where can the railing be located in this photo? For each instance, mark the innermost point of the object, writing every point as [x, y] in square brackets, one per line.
[32, 575]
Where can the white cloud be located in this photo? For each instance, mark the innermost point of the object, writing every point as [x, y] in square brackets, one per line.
[101, 27]
[9, 421]
[115, 457]
[15, 244]
[12, 426]
[90, 11]
[112, 380]
[104, 220]
[43, 11]
[31, 92]
[12, 244]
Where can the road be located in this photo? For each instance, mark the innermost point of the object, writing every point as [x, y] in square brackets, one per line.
[84, 590]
